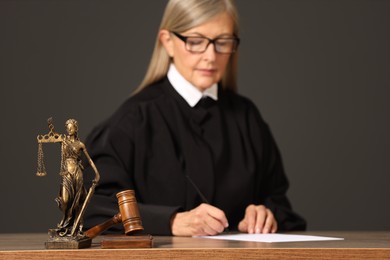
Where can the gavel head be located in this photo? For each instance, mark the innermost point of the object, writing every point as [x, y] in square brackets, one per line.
[128, 208]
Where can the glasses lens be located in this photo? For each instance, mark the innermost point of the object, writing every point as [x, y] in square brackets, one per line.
[226, 45]
[196, 44]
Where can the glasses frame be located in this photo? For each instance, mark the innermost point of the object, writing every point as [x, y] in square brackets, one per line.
[213, 41]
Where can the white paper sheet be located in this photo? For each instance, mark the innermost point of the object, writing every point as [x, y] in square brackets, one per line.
[272, 238]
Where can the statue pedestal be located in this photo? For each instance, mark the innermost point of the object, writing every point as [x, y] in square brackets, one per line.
[57, 242]
[123, 241]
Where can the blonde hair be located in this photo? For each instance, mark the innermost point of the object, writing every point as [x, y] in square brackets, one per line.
[182, 15]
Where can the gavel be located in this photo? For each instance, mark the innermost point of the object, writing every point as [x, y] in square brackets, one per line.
[128, 215]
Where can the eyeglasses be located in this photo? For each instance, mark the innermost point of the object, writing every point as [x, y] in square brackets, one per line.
[199, 44]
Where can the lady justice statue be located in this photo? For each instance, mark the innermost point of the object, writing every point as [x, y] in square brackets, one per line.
[73, 197]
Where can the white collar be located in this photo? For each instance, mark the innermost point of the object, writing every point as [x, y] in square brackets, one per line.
[188, 91]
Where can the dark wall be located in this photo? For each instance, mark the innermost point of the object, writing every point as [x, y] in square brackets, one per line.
[318, 71]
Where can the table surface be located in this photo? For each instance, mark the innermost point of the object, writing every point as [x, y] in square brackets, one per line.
[356, 244]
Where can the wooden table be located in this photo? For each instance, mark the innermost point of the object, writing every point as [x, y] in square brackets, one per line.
[357, 245]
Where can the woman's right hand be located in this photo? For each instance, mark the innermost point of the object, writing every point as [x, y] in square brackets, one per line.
[203, 220]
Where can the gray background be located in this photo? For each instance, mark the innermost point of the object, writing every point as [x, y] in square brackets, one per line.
[317, 69]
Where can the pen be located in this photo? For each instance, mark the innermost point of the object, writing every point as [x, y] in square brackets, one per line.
[204, 199]
[197, 190]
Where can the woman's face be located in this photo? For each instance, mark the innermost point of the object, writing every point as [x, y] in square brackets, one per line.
[200, 69]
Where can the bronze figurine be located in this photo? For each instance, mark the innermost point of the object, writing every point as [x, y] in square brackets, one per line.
[73, 197]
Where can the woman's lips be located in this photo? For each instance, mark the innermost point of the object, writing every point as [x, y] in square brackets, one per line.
[207, 72]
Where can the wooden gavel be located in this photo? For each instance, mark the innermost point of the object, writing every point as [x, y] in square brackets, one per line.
[128, 215]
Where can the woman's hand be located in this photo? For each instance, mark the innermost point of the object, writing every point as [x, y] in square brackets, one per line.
[258, 219]
[203, 220]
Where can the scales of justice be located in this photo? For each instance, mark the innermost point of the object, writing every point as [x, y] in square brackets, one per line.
[73, 198]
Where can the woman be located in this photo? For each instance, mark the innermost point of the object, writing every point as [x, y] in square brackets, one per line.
[198, 155]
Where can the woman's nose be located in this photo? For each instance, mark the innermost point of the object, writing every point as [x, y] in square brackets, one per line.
[209, 53]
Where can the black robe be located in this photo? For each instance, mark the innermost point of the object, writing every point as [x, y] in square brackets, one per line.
[175, 157]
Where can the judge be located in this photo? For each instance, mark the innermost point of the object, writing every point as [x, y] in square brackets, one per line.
[198, 155]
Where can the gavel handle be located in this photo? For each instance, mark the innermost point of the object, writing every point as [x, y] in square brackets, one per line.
[98, 229]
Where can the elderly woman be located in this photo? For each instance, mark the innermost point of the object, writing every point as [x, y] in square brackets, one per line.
[198, 155]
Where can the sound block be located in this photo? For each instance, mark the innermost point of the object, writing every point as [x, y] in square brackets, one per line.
[123, 241]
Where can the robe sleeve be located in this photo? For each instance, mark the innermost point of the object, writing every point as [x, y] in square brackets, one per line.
[111, 146]
[272, 180]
